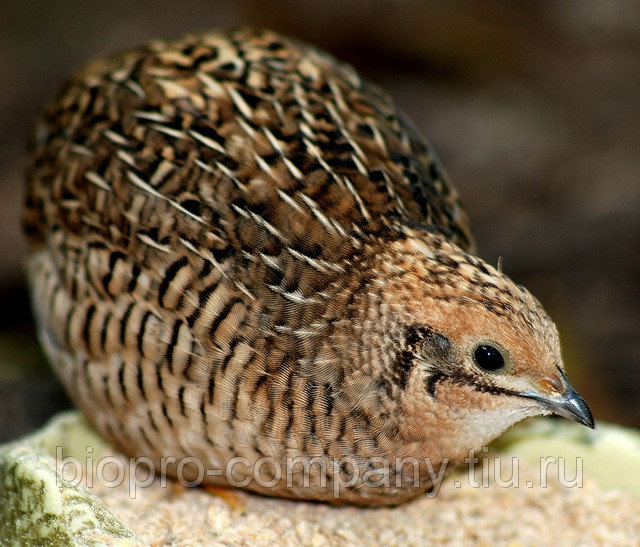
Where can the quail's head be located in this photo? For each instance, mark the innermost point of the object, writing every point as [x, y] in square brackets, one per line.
[469, 351]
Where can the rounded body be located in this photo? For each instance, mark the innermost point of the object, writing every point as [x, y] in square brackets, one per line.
[213, 221]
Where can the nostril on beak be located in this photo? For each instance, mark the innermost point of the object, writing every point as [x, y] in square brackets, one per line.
[561, 399]
[553, 384]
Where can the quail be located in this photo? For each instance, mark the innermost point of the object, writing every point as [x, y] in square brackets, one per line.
[242, 252]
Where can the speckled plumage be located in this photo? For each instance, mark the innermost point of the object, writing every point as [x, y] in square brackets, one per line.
[239, 248]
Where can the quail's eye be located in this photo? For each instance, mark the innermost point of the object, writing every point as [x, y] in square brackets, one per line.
[488, 357]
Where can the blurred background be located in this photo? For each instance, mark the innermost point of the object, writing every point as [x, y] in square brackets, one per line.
[533, 107]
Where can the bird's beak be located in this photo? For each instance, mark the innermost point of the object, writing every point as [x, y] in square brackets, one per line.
[568, 405]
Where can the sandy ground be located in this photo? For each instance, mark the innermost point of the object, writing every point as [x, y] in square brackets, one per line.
[518, 494]
[461, 513]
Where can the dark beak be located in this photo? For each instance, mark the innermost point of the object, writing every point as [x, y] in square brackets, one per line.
[568, 405]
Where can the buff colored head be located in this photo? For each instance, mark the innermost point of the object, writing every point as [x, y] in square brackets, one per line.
[475, 352]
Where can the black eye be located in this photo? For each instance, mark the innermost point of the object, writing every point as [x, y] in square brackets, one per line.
[488, 357]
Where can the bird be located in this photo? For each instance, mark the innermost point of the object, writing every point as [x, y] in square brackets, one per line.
[249, 268]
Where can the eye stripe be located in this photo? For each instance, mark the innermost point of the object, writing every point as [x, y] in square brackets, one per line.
[432, 381]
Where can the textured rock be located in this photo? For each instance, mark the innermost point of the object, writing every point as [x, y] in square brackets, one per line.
[611, 455]
[38, 505]
[32, 503]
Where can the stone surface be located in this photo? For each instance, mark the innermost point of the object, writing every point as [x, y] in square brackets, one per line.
[610, 455]
[39, 506]
[473, 506]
